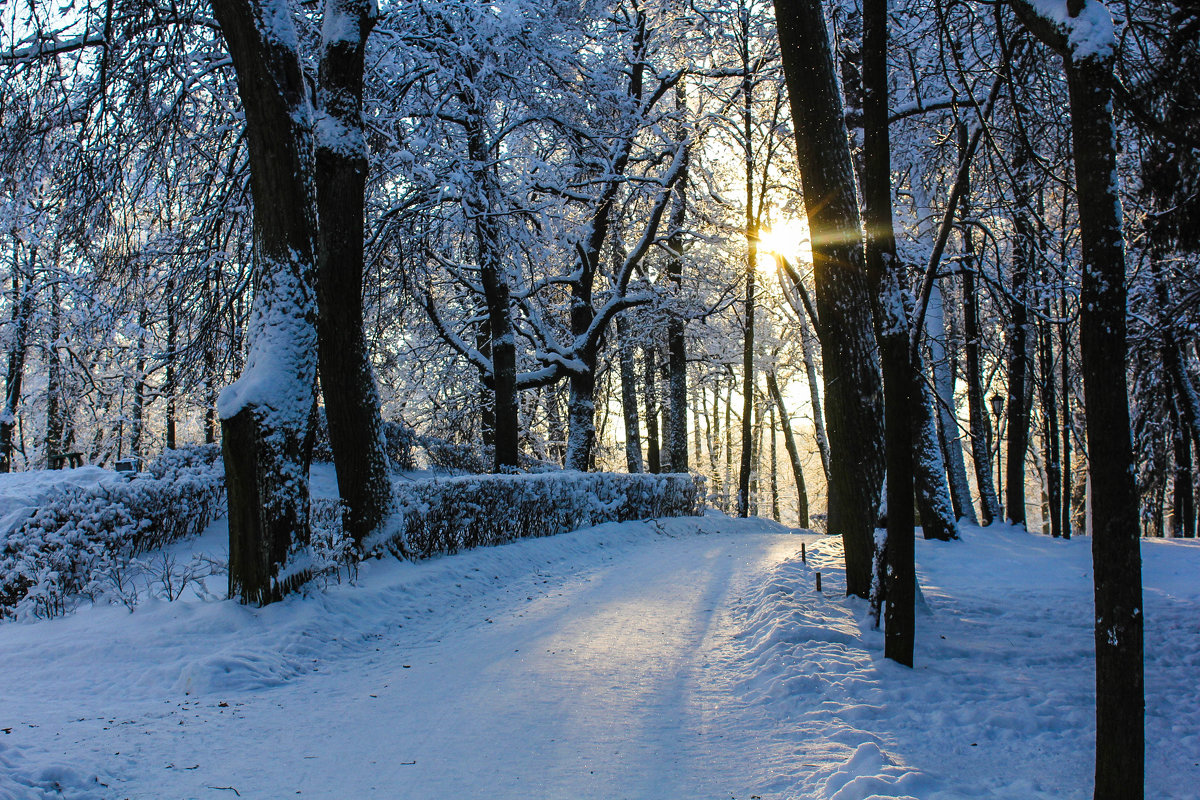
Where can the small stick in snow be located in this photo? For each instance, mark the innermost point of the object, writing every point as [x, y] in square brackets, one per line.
[227, 788]
[803, 555]
[818, 581]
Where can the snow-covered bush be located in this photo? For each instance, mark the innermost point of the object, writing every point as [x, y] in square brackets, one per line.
[401, 442]
[331, 548]
[445, 515]
[80, 540]
[453, 457]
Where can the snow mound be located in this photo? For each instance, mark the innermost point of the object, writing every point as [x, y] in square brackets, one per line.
[22, 492]
[1001, 702]
[22, 780]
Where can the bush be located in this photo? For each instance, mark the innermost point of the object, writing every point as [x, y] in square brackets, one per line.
[399, 442]
[453, 457]
[450, 514]
[81, 538]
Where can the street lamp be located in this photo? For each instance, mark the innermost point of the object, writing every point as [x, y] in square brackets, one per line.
[997, 412]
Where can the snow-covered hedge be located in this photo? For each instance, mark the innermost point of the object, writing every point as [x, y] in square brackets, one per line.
[78, 540]
[445, 515]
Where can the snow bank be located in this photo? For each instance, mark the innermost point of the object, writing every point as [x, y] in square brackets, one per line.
[1001, 702]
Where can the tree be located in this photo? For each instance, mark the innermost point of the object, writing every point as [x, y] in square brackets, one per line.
[1081, 31]
[265, 413]
[853, 411]
[347, 383]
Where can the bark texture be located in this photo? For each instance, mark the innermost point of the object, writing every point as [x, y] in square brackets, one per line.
[1116, 546]
[1116, 553]
[853, 402]
[901, 394]
[347, 381]
[265, 414]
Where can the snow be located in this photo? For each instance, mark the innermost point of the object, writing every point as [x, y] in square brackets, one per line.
[1090, 34]
[22, 492]
[278, 379]
[689, 657]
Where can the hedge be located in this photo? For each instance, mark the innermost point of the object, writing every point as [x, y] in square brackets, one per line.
[80, 537]
[445, 515]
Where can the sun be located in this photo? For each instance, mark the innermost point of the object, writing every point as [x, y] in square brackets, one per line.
[788, 238]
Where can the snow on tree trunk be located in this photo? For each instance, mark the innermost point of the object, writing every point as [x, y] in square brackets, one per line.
[265, 412]
[937, 324]
[22, 301]
[938, 520]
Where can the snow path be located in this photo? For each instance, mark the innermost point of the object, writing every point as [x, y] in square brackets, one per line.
[598, 673]
[684, 658]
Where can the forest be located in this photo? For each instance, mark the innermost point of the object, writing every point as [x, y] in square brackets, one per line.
[854, 263]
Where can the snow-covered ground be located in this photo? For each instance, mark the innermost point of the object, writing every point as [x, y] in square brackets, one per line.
[686, 658]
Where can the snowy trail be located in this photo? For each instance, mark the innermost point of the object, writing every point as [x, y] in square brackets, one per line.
[602, 673]
[684, 658]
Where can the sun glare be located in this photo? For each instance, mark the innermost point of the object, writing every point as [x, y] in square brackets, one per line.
[788, 238]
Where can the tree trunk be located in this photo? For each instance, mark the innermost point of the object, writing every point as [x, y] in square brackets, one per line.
[901, 393]
[633, 436]
[1024, 253]
[667, 420]
[729, 445]
[943, 356]
[1116, 546]
[938, 520]
[1183, 501]
[170, 388]
[789, 442]
[676, 343]
[774, 465]
[756, 459]
[714, 443]
[265, 413]
[809, 346]
[1047, 382]
[1064, 349]
[22, 305]
[347, 381]
[581, 420]
[850, 357]
[981, 430]
[554, 425]
[748, 382]
[1116, 554]
[653, 451]
[55, 416]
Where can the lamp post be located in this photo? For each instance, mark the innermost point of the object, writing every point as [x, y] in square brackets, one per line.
[997, 411]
